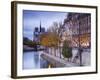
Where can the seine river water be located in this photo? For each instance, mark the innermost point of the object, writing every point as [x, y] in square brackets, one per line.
[33, 60]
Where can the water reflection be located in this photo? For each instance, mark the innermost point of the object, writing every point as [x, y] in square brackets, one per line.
[33, 60]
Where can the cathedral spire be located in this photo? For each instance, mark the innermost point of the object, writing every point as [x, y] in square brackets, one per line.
[40, 26]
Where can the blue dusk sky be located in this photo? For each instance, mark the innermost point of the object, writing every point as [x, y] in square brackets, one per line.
[32, 19]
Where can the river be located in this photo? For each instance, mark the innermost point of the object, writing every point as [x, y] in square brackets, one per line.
[33, 60]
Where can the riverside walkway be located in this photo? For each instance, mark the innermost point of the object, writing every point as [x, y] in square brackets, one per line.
[56, 61]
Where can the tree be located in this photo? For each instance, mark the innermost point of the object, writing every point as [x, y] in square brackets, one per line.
[66, 50]
[56, 28]
[29, 42]
[49, 40]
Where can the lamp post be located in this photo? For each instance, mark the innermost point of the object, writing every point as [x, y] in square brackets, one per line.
[79, 46]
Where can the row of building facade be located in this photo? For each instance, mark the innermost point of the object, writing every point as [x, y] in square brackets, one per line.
[78, 29]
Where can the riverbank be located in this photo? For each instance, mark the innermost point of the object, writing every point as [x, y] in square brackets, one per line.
[27, 49]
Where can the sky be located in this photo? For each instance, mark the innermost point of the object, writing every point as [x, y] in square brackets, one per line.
[32, 19]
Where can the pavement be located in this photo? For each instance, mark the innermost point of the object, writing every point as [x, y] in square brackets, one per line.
[58, 62]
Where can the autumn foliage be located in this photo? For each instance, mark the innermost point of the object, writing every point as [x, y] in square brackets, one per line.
[49, 40]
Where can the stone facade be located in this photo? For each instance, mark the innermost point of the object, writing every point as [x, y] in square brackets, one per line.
[78, 28]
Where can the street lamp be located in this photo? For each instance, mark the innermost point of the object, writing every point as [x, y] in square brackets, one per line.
[79, 46]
